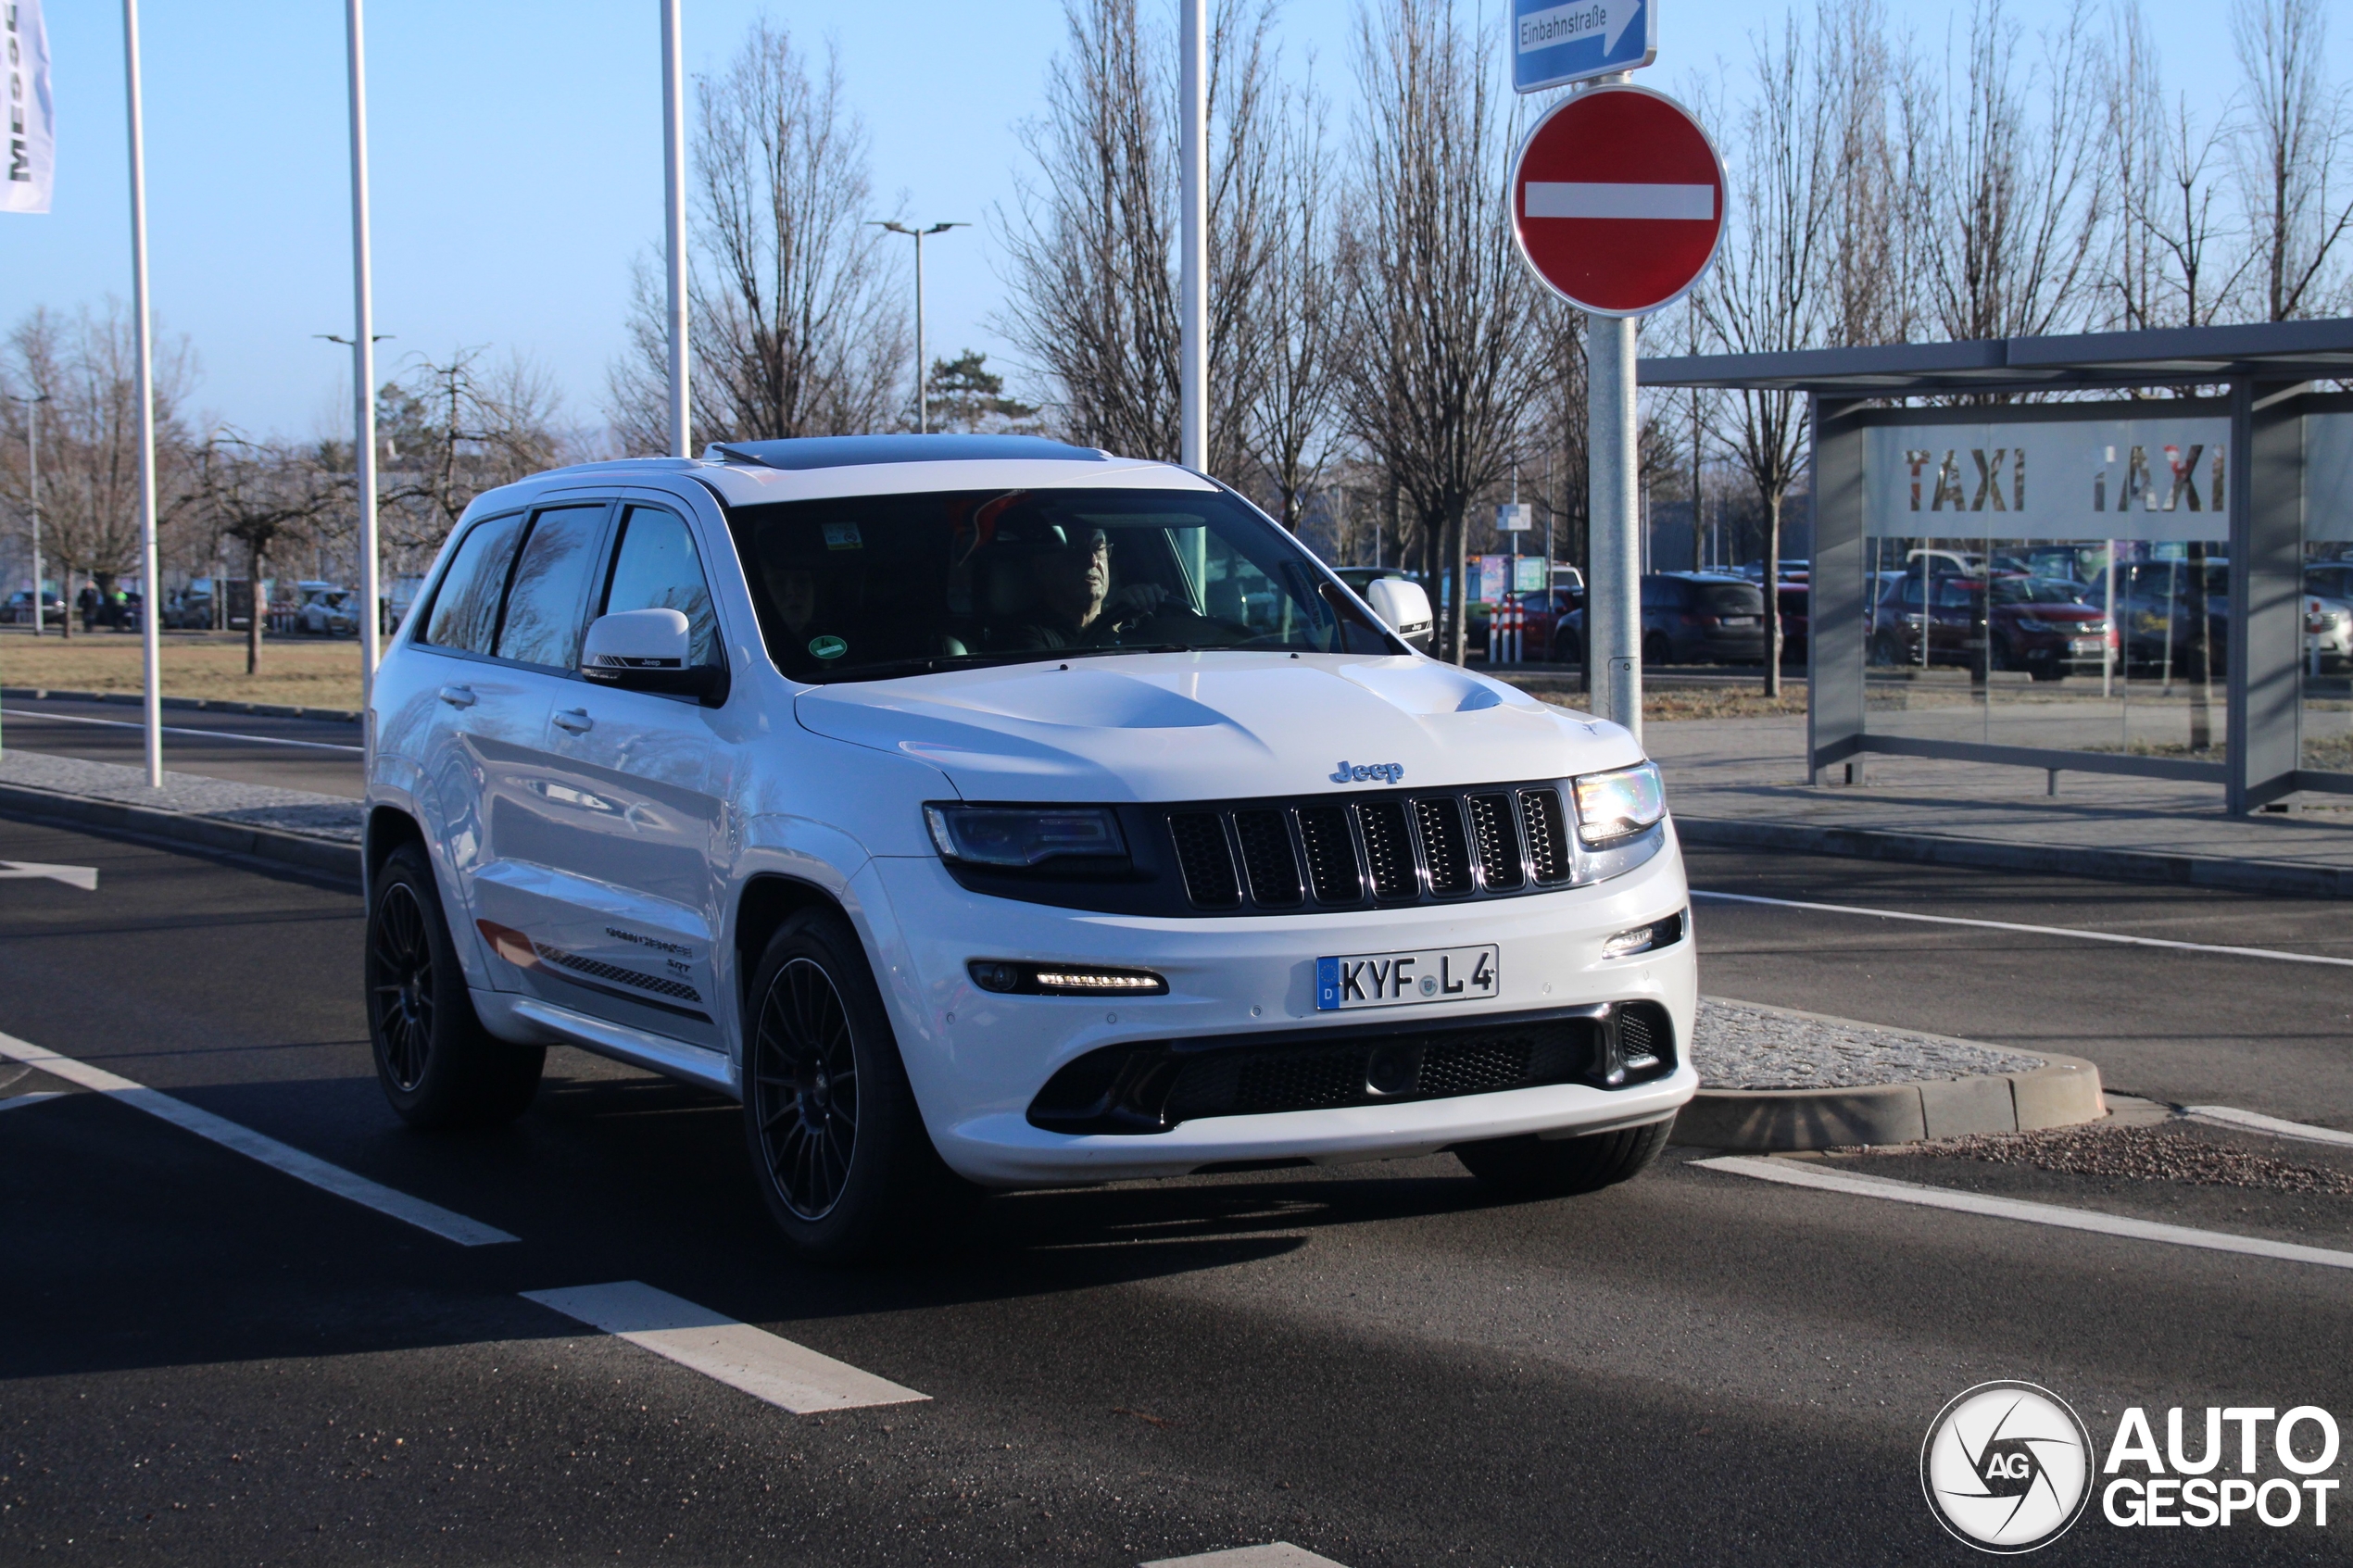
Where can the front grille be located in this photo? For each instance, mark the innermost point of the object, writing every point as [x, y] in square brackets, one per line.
[1151, 1086]
[1396, 848]
[1203, 859]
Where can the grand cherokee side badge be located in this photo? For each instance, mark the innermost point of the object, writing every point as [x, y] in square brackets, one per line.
[1364, 773]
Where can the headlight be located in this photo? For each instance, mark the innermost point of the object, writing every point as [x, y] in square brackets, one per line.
[1023, 835]
[1616, 804]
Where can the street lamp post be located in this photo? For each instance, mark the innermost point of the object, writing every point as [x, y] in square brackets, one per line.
[363, 357]
[151, 635]
[33, 485]
[673, 226]
[923, 366]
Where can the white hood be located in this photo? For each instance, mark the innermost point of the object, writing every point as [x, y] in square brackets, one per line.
[1208, 726]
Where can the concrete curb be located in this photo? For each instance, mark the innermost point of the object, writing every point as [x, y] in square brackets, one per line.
[2063, 1092]
[332, 856]
[1939, 850]
[214, 705]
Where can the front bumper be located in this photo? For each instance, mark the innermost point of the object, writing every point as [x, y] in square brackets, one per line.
[978, 1059]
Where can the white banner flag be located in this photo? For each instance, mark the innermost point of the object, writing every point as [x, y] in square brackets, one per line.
[31, 161]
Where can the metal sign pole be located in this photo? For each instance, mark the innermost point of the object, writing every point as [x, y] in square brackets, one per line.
[1614, 627]
[673, 227]
[363, 362]
[1192, 389]
[151, 639]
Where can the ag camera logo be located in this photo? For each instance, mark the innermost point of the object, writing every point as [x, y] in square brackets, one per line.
[2006, 1467]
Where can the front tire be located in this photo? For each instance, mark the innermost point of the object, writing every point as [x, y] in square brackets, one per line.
[1533, 1167]
[837, 1145]
[439, 1067]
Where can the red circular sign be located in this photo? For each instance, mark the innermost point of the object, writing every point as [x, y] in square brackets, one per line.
[1618, 200]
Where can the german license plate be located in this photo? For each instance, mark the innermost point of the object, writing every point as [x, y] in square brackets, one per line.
[1387, 980]
[2086, 644]
[1739, 620]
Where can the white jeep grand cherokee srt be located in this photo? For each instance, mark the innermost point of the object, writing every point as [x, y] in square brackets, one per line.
[988, 812]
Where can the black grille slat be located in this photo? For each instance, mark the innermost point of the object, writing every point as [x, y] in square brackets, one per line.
[1333, 869]
[1444, 850]
[1390, 847]
[1547, 830]
[1204, 860]
[1266, 858]
[1497, 837]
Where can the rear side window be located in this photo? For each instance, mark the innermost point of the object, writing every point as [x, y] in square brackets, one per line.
[465, 611]
[656, 567]
[550, 590]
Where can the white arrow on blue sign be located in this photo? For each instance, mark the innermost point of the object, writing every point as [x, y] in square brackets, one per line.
[1554, 43]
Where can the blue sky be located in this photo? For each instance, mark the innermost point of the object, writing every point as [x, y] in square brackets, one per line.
[516, 152]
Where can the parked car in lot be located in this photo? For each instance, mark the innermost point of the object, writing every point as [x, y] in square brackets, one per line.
[2157, 606]
[1693, 617]
[326, 609]
[2041, 625]
[19, 608]
[916, 792]
[2328, 633]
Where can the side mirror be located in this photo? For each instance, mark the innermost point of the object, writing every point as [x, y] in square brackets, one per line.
[646, 650]
[1404, 609]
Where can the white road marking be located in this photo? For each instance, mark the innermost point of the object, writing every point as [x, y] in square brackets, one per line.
[256, 1145]
[83, 877]
[1548, 199]
[1798, 1173]
[1273, 1554]
[2231, 1116]
[763, 1364]
[14, 1101]
[2031, 930]
[179, 729]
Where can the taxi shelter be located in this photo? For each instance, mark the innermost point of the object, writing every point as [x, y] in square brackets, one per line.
[2144, 582]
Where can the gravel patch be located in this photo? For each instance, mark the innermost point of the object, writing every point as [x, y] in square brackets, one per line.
[288, 810]
[1740, 1045]
[2140, 1154]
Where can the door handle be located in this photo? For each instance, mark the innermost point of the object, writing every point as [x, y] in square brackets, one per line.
[575, 721]
[457, 697]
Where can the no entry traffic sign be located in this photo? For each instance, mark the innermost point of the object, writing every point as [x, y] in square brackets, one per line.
[1618, 200]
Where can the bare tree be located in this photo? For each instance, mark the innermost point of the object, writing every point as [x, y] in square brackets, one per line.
[1872, 257]
[799, 321]
[2164, 267]
[86, 366]
[265, 497]
[1774, 284]
[2007, 196]
[1442, 360]
[2291, 134]
[1288, 408]
[1091, 240]
[452, 430]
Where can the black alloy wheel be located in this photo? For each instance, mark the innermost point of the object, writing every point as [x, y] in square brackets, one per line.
[400, 990]
[805, 1088]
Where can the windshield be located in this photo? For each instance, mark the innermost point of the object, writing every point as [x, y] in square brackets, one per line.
[2037, 591]
[1731, 598]
[866, 586]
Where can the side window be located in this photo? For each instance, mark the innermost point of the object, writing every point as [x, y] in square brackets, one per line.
[543, 620]
[465, 611]
[655, 567]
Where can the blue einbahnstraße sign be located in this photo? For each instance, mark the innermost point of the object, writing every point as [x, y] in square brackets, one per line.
[1554, 42]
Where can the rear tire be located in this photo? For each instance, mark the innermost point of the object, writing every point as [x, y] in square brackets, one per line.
[439, 1067]
[837, 1144]
[1656, 649]
[1534, 1167]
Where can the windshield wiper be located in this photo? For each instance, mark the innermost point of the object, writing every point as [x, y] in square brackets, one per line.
[926, 664]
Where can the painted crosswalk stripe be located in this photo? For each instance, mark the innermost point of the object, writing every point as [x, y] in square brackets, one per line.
[2255, 1120]
[1273, 1554]
[281, 1156]
[2077, 933]
[765, 1365]
[1799, 1173]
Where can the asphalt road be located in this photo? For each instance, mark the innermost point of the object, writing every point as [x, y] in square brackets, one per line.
[318, 755]
[203, 1360]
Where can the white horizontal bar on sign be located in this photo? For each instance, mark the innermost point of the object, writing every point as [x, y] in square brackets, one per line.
[284, 1158]
[764, 1365]
[1600, 200]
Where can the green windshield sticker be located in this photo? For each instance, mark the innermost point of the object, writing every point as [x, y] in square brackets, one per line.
[842, 536]
[827, 647]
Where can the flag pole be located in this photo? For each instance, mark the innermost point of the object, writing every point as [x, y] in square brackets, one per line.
[150, 604]
[673, 177]
[363, 361]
